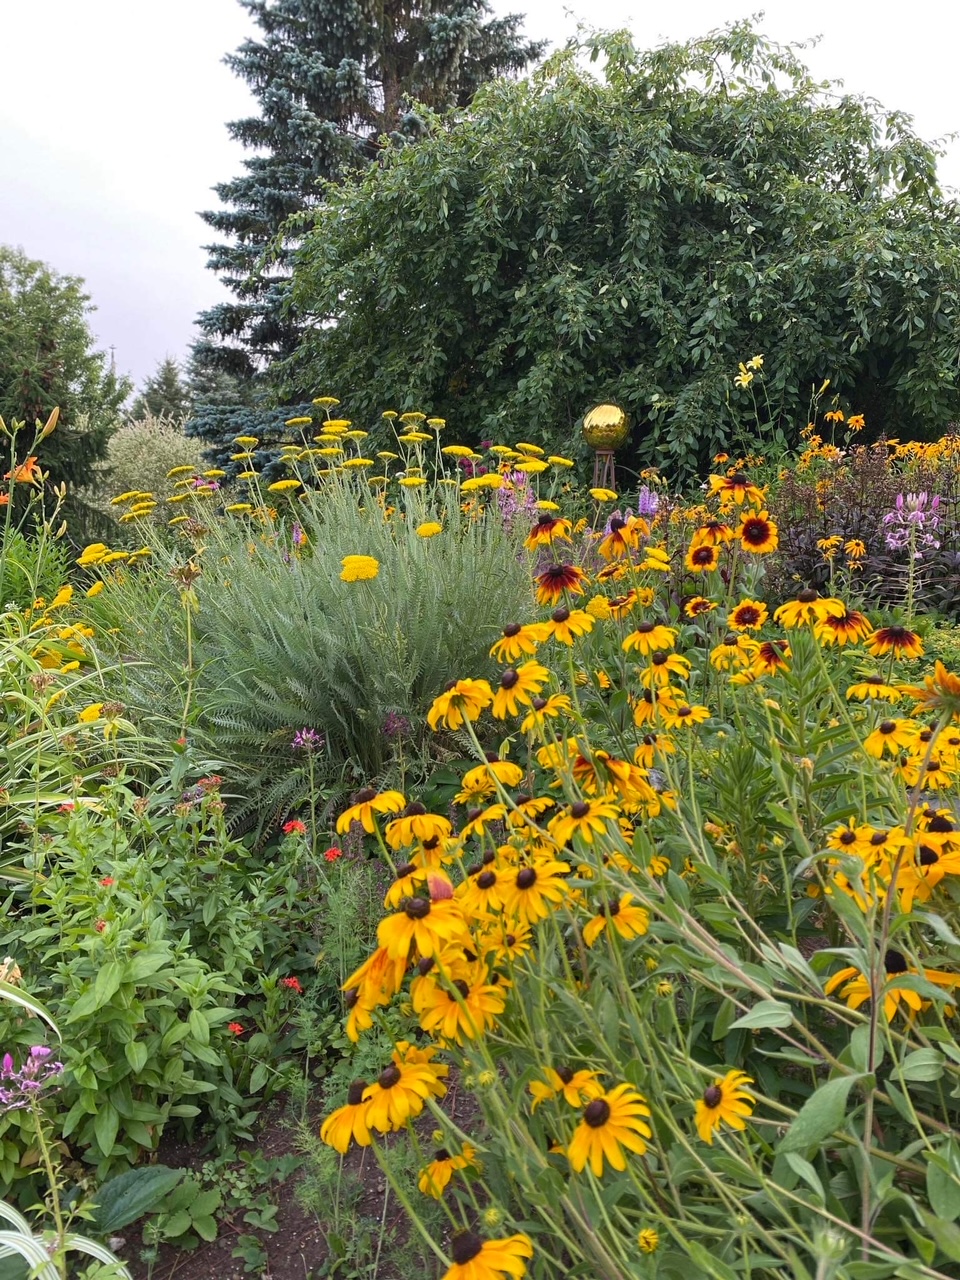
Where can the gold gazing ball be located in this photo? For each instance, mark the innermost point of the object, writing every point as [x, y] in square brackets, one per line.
[605, 427]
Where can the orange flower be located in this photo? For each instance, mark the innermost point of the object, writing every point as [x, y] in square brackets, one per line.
[26, 473]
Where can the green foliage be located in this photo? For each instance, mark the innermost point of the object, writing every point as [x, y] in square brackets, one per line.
[219, 424]
[30, 567]
[331, 78]
[48, 358]
[280, 642]
[140, 454]
[633, 238]
[164, 394]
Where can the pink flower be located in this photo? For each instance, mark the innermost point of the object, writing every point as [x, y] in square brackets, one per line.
[333, 854]
[295, 825]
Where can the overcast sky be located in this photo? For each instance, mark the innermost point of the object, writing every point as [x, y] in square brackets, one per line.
[112, 126]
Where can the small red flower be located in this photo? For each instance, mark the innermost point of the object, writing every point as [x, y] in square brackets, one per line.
[107, 881]
[100, 926]
[68, 807]
[211, 783]
[333, 854]
[236, 1027]
[295, 825]
[293, 984]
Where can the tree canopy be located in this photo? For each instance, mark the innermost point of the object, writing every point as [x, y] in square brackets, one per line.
[48, 358]
[333, 79]
[164, 394]
[576, 238]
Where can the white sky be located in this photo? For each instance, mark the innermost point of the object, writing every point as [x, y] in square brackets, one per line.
[112, 126]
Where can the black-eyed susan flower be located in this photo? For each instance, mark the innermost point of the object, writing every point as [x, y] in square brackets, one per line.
[843, 628]
[890, 737]
[480, 894]
[809, 606]
[702, 557]
[610, 1123]
[855, 988]
[900, 641]
[623, 537]
[517, 641]
[435, 1178]
[735, 490]
[698, 605]
[348, 1123]
[463, 1008]
[917, 877]
[585, 818]
[620, 914]
[726, 1101]
[416, 824]
[650, 636]
[939, 692]
[530, 893]
[733, 652]
[748, 615]
[547, 530]
[409, 880]
[713, 533]
[424, 923]
[557, 580]
[399, 1092]
[663, 667]
[874, 687]
[518, 688]
[463, 700]
[474, 1258]
[367, 803]
[575, 1087]
[758, 534]
[683, 715]
[648, 1240]
[566, 625]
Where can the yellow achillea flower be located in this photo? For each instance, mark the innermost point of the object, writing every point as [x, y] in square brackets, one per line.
[478, 1259]
[429, 529]
[91, 713]
[603, 495]
[464, 700]
[491, 481]
[94, 590]
[726, 1101]
[358, 568]
[629, 921]
[281, 486]
[611, 1122]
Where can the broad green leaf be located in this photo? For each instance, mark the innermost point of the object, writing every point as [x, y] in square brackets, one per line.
[821, 1114]
[768, 1013]
[130, 1195]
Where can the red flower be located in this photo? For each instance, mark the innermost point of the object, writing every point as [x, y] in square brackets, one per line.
[68, 807]
[107, 881]
[333, 854]
[211, 783]
[295, 825]
[293, 984]
[236, 1028]
[100, 926]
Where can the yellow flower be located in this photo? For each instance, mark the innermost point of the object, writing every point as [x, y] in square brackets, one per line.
[603, 495]
[359, 568]
[94, 590]
[91, 713]
[491, 481]
[429, 529]
[726, 1101]
[615, 1120]
[63, 596]
[478, 1259]
[281, 486]
[648, 1241]
[464, 700]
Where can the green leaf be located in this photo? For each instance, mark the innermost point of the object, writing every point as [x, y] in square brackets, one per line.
[105, 1125]
[922, 1064]
[821, 1114]
[943, 1181]
[16, 996]
[177, 1224]
[129, 1196]
[205, 1227]
[946, 1234]
[136, 1054]
[768, 1013]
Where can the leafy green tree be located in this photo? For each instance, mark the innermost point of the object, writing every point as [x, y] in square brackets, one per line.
[633, 238]
[48, 358]
[164, 394]
[333, 78]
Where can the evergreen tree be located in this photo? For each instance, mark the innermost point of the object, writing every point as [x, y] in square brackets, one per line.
[207, 385]
[164, 394]
[333, 77]
[48, 358]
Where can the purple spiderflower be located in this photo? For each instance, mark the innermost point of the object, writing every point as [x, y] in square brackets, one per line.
[395, 725]
[18, 1088]
[307, 740]
[912, 523]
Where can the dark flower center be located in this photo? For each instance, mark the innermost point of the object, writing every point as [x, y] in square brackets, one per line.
[658, 657]
[878, 837]
[462, 988]
[509, 678]
[441, 1154]
[895, 962]
[355, 1093]
[432, 842]
[730, 639]
[807, 595]
[848, 837]
[940, 824]
[473, 814]
[474, 869]
[702, 555]
[512, 629]
[565, 1074]
[415, 809]
[389, 1076]
[417, 908]
[645, 628]
[523, 798]
[580, 809]
[538, 704]
[887, 726]
[597, 1113]
[366, 795]
[928, 856]
[407, 869]
[464, 1247]
[510, 939]
[713, 1096]
[487, 880]
[616, 524]
[683, 712]
[526, 878]
[351, 997]
[738, 478]
[488, 857]
[545, 520]
[560, 615]
[425, 965]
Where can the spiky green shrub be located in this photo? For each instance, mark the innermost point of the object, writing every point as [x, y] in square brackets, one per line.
[269, 638]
